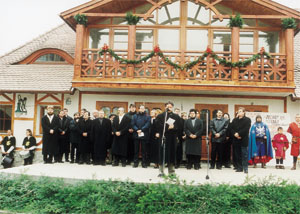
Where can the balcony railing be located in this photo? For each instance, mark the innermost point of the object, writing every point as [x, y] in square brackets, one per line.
[106, 67]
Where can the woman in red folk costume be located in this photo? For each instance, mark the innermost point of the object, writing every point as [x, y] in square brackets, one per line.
[280, 145]
[294, 129]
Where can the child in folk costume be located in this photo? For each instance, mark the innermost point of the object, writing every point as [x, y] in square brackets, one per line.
[29, 144]
[8, 147]
[280, 145]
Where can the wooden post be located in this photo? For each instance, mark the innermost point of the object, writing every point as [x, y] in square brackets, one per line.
[289, 51]
[131, 48]
[78, 50]
[235, 51]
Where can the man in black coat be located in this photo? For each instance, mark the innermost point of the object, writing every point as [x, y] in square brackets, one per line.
[120, 127]
[75, 138]
[85, 128]
[63, 138]
[218, 128]
[193, 128]
[130, 149]
[101, 131]
[50, 124]
[240, 132]
[171, 137]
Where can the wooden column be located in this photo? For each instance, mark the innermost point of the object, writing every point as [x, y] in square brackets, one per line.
[289, 51]
[235, 51]
[131, 48]
[80, 29]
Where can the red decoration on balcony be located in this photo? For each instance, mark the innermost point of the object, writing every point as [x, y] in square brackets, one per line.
[156, 49]
[105, 47]
[208, 50]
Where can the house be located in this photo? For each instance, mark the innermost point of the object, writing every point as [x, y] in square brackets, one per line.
[63, 67]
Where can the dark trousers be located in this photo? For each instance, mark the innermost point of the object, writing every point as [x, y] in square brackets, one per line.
[227, 152]
[245, 158]
[74, 154]
[137, 144]
[48, 158]
[28, 161]
[217, 149]
[193, 160]
[130, 148]
[117, 159]
[85, 157]
[179, 152]
[237, 156]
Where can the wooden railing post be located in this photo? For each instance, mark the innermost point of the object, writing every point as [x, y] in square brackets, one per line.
[131, 48]
[235, 51]
[80, 29]
[289, 51]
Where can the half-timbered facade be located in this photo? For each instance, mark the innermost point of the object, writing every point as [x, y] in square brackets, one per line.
[64, 68]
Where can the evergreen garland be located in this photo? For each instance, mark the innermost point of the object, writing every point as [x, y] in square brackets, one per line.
[131, 19]
[289, 23]
[81, 19]
[236, 21]
[208, 52]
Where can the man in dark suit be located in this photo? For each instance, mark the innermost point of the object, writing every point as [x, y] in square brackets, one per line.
[240, 131]
[120, 127]
[193, 128]
[171, 137]
[101, 131]
[218, 128]
[63, 137]
[50, 124]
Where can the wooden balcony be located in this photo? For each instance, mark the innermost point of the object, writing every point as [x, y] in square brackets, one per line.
[99, 71]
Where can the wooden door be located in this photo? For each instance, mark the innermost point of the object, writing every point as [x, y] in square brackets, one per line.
[110, 107]
[212, 110]
[150, 106]
[253, 108]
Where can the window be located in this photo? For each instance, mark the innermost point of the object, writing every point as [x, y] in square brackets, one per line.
[246, 42]
[168, 39]
[253, 108]
[222, 41]
[197, 40]
[5, 117]
[169, 14]
[110, 107]
[98, 37]
[270, 41]
[144, 39]
[121, 39]
[197, 14]
[50, 58]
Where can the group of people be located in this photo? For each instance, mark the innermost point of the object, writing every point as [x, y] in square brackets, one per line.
[164, 138]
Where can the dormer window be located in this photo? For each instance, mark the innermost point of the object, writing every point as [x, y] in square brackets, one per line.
[50, 58]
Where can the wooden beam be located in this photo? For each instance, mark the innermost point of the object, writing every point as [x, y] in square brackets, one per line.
[107, 15]
[289, 51]
[235, 51]
[78, 51]
[252, 16]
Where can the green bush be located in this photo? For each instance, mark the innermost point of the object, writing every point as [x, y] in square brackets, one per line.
[22, 194]
[236, 21]
[289, 23]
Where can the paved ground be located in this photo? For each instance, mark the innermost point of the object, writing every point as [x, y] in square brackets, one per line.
[150, 175]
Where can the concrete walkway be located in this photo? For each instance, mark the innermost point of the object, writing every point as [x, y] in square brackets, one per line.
[149, 175]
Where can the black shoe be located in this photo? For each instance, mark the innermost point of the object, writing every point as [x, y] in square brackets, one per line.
[123, 164]
[144, 165]
[60, 161]
[88, 163]
[239, 170]
[177, 166]
[80, 162]
[72, 161]
[189, 166]
[102, 163]
[246, 171]
[219, 167]
[161, 175]
[212, 167]
[135, 165]
[227, 166]
[115, 163]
